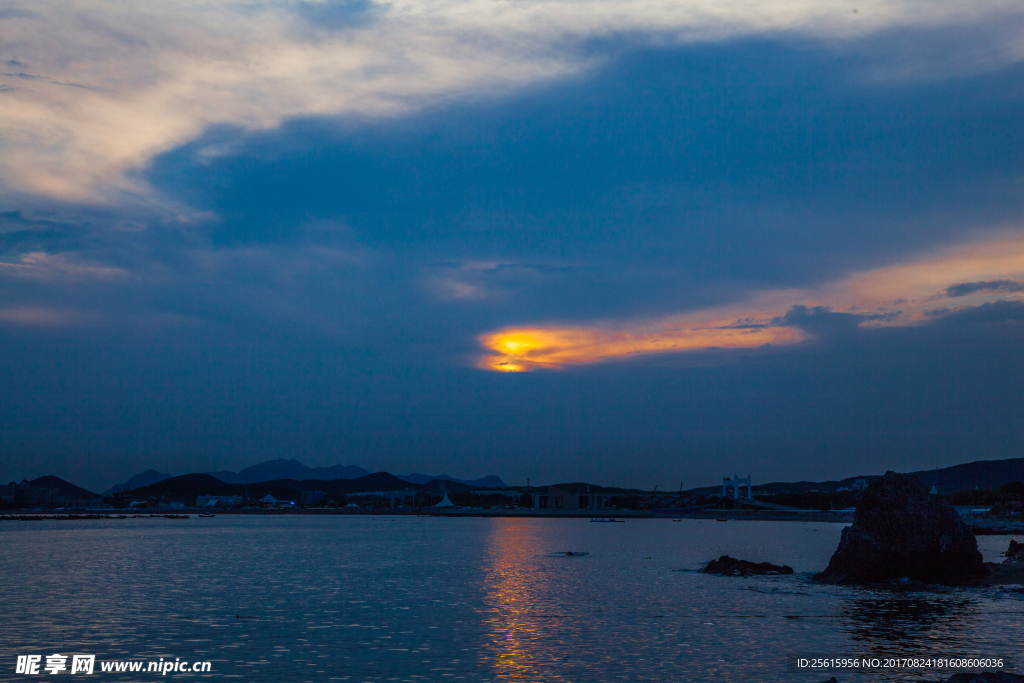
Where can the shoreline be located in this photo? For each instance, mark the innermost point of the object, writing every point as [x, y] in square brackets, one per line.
[774, 516]
[833, 517]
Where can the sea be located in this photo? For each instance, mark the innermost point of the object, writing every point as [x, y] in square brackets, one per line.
[405, 598]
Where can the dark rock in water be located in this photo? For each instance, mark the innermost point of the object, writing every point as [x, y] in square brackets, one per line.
[1015, 553]
[1004, 573]
[730, 566]
[899, 530]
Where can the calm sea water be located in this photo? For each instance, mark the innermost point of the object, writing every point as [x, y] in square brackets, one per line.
[303, 598]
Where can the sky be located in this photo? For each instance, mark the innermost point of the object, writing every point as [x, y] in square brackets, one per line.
[632, 242]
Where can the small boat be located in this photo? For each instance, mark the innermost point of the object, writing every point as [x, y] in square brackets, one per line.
[606, 519]
[575, 554]
[207, 514]
[722, 519]
[677, 520]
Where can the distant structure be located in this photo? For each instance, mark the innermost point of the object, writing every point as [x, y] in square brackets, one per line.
[270, 500]
[860, 484]
[555, 498]
[735, 482]
[218, 501]
[934, 490]
[26, 494]
[311, 497]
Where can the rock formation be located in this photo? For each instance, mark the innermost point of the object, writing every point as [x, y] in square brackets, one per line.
[898, 531]
[1015, 553]
[730, 566]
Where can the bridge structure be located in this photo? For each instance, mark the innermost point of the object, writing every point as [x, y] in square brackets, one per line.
[734, 483]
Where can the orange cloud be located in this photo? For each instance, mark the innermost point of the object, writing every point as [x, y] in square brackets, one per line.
[520, 349]
[902, 294]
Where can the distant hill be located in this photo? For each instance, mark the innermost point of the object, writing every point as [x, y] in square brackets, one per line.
[984, 474]
[66, 489]
[139, 480]
[491, 481]
[188, 487]
[280, 469]
[288, 469]
[378, 481]
[296, 477]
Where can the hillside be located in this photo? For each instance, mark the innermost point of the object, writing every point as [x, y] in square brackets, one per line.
[293, 470]
[141, 479]
[67, 489]
[273, 470]
[984, 474]
[378, 481]
[188, 487]
[491, 481]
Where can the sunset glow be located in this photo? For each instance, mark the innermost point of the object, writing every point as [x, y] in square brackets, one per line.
[903, 294]
[517, 350]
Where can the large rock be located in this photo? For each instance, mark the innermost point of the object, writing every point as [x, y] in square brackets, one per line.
[730, 566]
[1015, 553]
[899, 530]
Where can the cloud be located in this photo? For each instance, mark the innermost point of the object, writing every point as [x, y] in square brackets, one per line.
[45, 317]
[43, 266]
[965, 288]
[148, 77]
[990, 312]
[520, 349]
[448, 288]
[894, 296]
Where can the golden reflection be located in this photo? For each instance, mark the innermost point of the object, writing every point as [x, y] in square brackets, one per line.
[513, 590]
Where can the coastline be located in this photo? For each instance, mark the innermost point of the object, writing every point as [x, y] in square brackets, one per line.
[711, 515]
[979, 527]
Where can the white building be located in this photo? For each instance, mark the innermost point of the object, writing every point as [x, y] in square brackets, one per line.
[735, 483]
[218, 501]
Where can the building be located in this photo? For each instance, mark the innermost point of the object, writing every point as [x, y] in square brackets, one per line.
[559, 499]
[860, 484]
[400, 498]
[312, 497]
[26, 494]
[508, 494]
[734, 483]
[218, 501]
[270, 500]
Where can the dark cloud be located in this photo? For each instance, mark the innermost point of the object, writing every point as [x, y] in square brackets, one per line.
[19, 235]
[992, 312]
[674, 174]
[337, 14]
[15, 13]
[966, 288]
